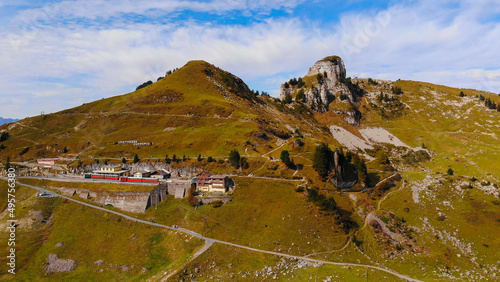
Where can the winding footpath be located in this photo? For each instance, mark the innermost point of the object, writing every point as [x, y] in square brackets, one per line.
[210, 241]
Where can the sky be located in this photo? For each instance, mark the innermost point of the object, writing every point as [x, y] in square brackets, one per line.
[56, 55]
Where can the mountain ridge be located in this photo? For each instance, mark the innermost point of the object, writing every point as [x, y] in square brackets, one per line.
[7, 120]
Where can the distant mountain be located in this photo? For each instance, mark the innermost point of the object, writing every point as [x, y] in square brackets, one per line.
[7, 120]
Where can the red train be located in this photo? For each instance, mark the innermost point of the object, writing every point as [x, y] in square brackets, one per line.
[139, 179]
[122, 178]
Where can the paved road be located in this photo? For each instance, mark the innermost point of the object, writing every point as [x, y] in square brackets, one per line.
[210, 241]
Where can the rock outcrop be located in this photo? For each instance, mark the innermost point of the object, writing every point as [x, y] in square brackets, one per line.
[324, 83]
[57, 265]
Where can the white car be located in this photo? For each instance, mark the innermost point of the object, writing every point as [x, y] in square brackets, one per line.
[43, 194]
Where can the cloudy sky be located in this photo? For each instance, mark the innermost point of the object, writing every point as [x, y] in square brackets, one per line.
[59, 54]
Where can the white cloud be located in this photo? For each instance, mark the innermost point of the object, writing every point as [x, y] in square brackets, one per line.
[93, 9]
[446, 43]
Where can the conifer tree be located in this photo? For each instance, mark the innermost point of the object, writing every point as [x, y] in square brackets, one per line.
[285, 158]
[300, 83]
[323, 158]
[234, 158]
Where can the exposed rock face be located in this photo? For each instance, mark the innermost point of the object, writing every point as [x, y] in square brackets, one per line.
[329, 83]
[56, 265]
[333, 66]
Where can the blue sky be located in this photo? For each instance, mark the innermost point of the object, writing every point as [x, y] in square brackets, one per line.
[59, 54]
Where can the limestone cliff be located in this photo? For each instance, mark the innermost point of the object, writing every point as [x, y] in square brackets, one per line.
[324, 83]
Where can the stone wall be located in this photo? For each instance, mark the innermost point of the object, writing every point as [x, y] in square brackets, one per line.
[178, 185]
[209, 200]
[135, 202]
[157, 195]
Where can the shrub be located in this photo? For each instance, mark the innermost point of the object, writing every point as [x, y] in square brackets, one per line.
[192, 200]
[217, 204]
[328, 204]
[299, 189]
[175, 159]
[301, 97]
[382, 157]
[320, 78]
[397, 90]
[24, 151]
[274, 167]
[299, 142]
[149, 82]
[244, 163]
[288, 99]
[4, 136]
[450, 171]
[136, 158]
[372, 82]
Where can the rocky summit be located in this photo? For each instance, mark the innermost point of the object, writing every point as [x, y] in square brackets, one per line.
[324, 83]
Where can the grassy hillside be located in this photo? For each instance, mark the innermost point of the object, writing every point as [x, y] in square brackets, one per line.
[181, 114]
[461, 131]
[263, 214]
[232, 264]
[438, 222]
[128, 251]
